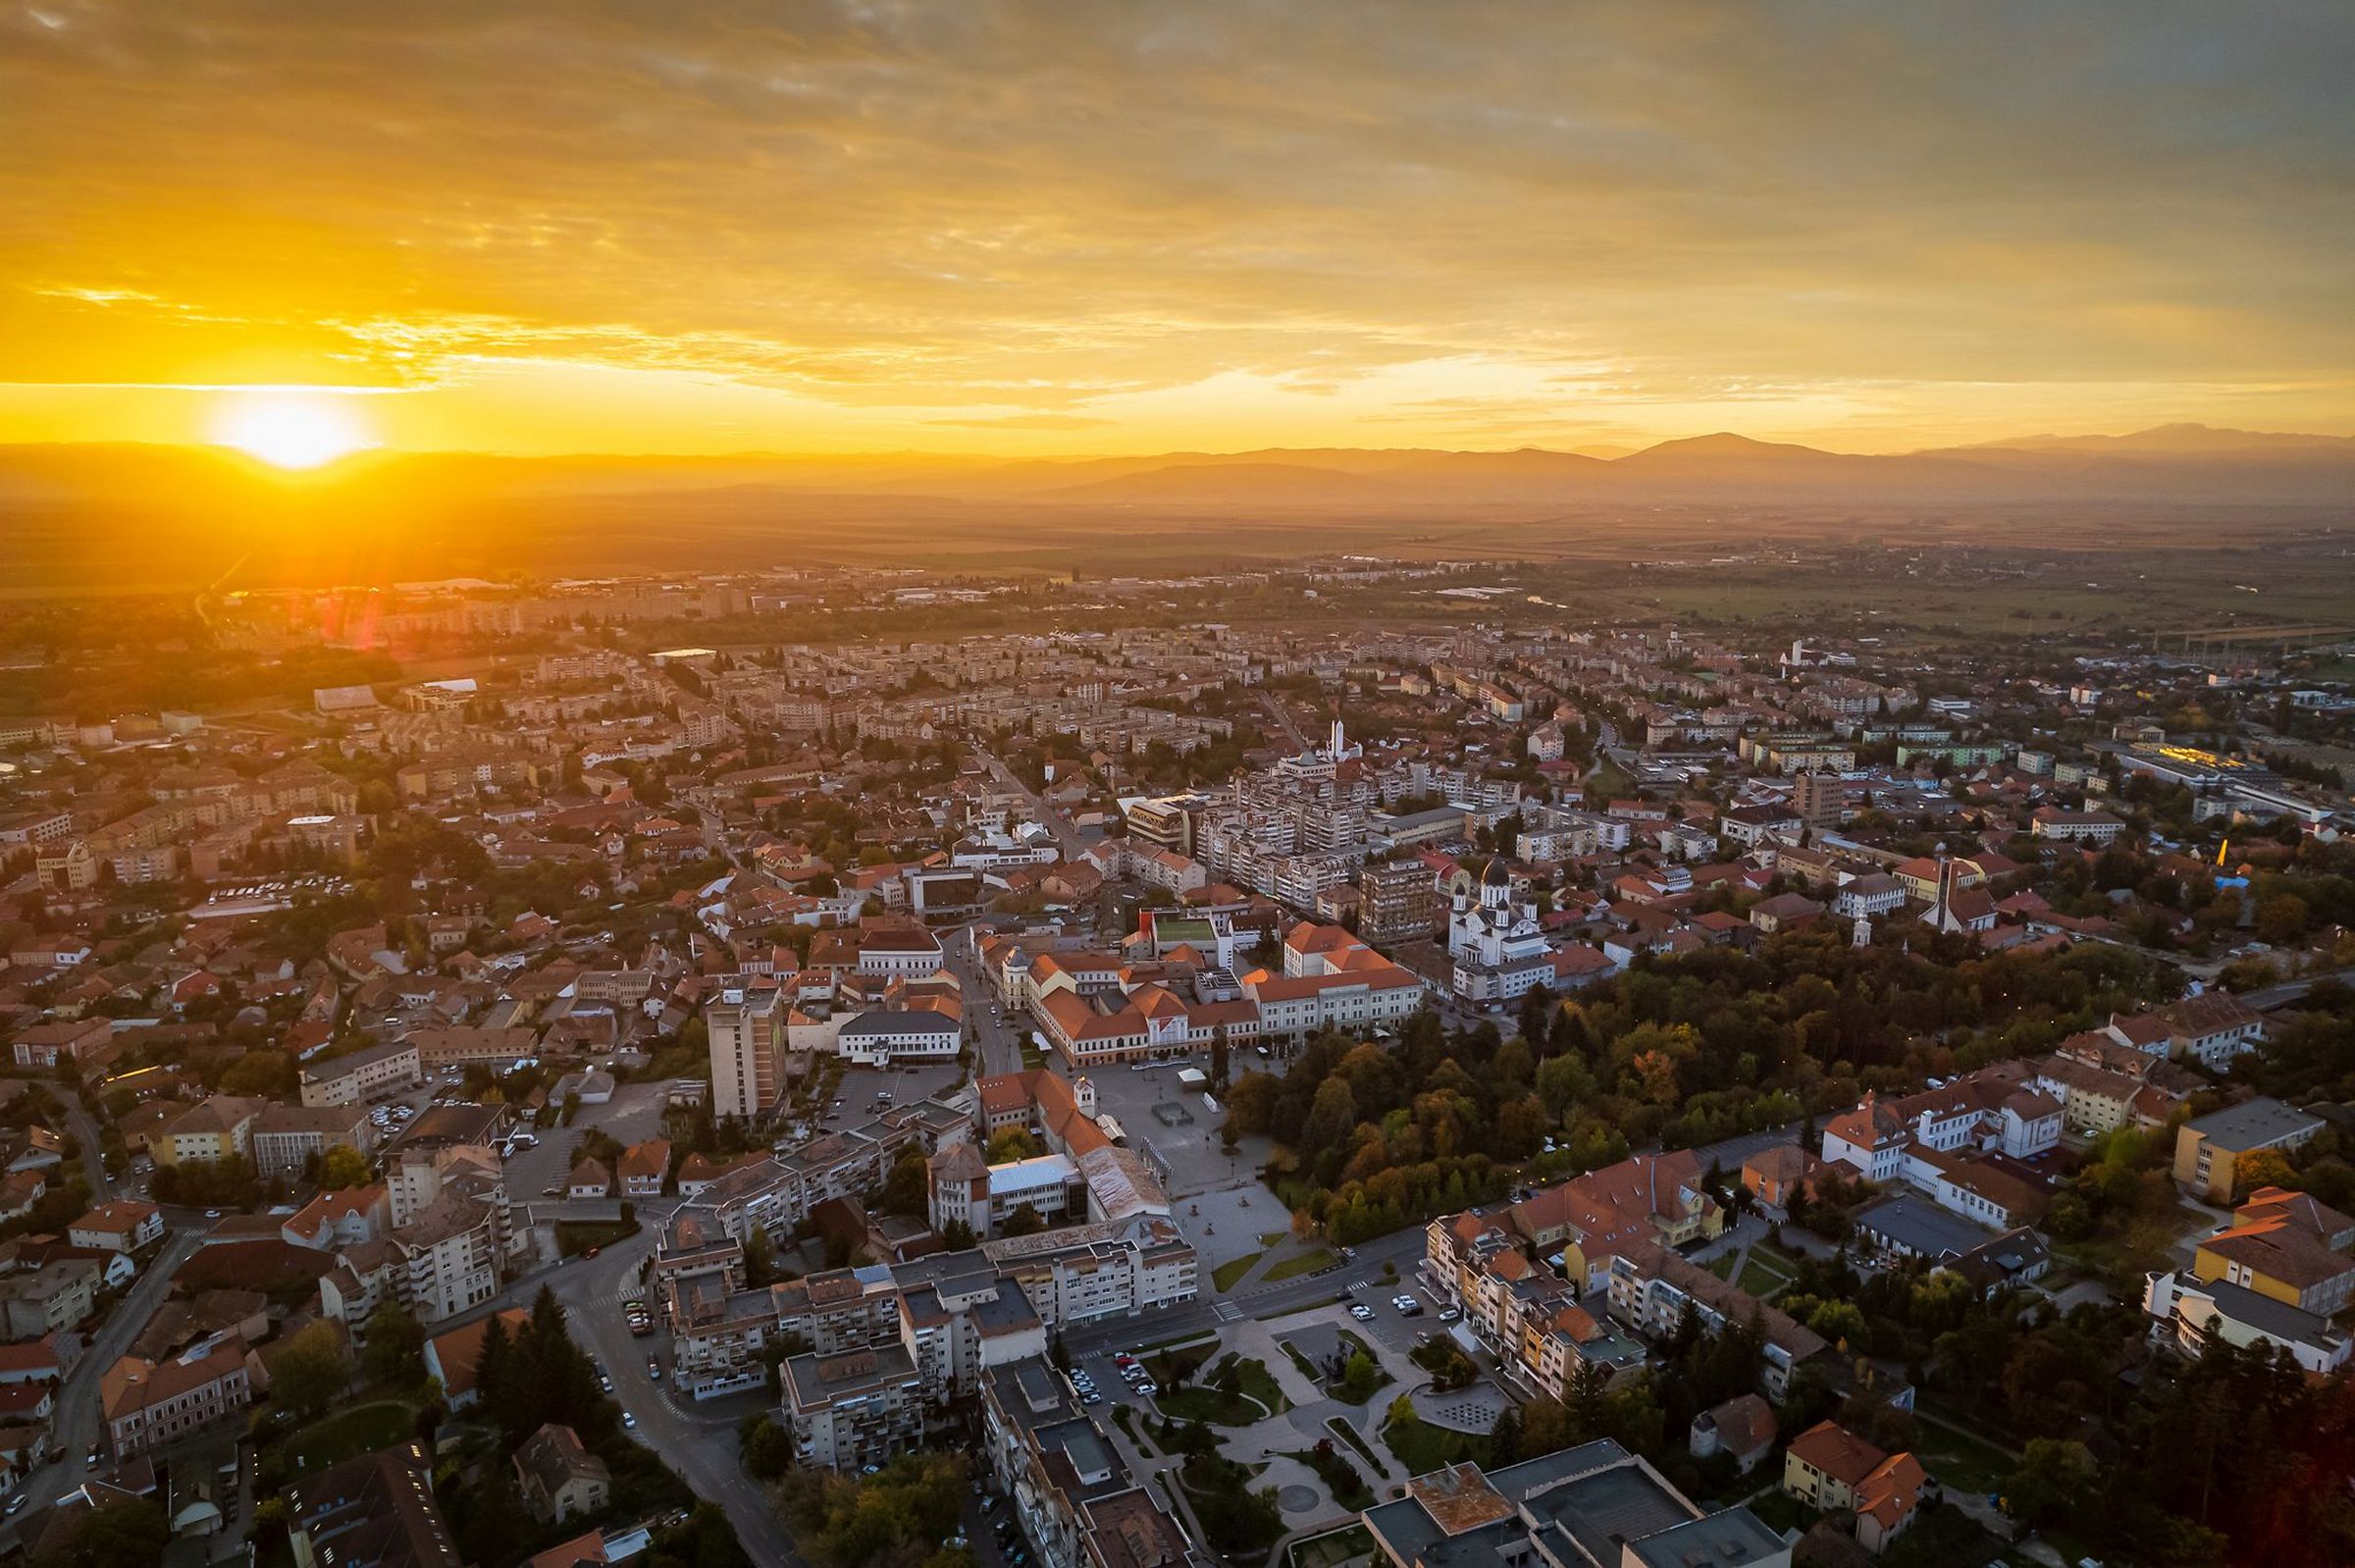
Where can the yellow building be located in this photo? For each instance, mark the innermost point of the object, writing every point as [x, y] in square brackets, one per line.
[218, 1127]
[2207, 1151]
[2286, 1246]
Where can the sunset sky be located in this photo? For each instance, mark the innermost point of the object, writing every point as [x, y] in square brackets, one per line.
[1124, 226]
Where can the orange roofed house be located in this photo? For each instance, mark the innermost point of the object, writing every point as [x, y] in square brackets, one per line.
[1831, 1468]
[149, 1404]
[1651, 1197]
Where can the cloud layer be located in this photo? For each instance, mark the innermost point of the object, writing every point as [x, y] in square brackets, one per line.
[1076, 224]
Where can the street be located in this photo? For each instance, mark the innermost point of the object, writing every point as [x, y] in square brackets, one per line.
[75, 1424]
[1000, 1039]
[1284, 720]
[85, 1138]
[1066, 837]
[699, 1443]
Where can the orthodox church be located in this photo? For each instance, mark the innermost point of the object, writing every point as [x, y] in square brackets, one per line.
[1499, 949]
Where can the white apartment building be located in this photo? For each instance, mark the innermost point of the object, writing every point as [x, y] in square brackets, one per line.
[361, 1075]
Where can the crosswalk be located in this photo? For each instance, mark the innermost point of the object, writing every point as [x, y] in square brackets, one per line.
[1227, 1311]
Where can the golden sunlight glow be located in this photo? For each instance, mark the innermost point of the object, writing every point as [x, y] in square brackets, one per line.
[293, 429]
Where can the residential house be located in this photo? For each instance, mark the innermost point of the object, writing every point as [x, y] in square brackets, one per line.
[1781, 1176]
[1743, 1427]
[1832, 1469]
[123, 1225]
[643, 1169]
[558, 1478]
[49, 1297]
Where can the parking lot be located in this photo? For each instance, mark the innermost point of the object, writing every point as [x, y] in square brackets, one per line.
[857, 1096]
[1383, 1323]
[632, 1115]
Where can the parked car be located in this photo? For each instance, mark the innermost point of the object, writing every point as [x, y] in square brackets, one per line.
[654, 1369]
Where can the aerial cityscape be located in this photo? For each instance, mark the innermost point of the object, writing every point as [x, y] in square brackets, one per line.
[919, 785]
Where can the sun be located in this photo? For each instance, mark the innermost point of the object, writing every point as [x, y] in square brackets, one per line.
[293, 429]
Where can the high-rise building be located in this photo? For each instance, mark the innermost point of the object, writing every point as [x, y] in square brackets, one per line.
[1819, 799]
[748, 1052]
[1400, 902]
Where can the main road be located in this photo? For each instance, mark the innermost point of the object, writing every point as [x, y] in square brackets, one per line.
[1000, 1037]
[76, 1424]
[697, 1442]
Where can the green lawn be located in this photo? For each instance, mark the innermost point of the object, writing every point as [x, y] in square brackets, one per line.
[1348, 1435]
[1306, 1263]
[2121, 1253]
[1259, 1384]
[363, 1429]
[1256, 1398]
[1422, 1448]
[1759, 1280]
[1227, 1275]
[1269, 1238]
[1722, 1265]
[1779, 1510]
[1332, 1548]
[1959, 1459]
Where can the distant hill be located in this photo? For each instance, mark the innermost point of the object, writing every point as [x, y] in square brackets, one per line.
[135, 514]
[2172, 441]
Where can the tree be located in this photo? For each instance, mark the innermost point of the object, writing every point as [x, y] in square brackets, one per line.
[906, 1190]
[493, 1525]
[1504, 1436]
[2282, 918]
[121, 1532]
[2054, 1477]
[1022, 1221]
[2263, 1167]
[1013, 1143]
[768, 1453]
[311, 1371]
[1219, 1057]
[342, 1167]
[262, 1074]
[760, 1258]
[395, 1352]
[1331, 1118]
[495, 1362]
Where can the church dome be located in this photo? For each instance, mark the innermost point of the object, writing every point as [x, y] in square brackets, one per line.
[1496, 874]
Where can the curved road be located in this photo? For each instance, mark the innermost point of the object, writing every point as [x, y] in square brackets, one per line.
[699, 1441]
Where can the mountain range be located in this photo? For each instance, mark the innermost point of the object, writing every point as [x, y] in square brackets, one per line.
[2169, 463]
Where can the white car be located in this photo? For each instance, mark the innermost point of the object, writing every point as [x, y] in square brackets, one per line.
[1361, 1311]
